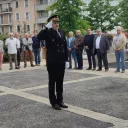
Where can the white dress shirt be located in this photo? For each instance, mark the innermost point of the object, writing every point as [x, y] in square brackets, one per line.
[11, 45]
[98, 42]
[18, 43]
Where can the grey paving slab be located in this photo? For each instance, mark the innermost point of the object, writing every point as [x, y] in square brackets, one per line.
[105, 95]
[31, 78]
[17, 112]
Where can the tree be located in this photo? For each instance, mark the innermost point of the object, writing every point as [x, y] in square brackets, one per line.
[123, 14]
[102, 14]
[70, 14]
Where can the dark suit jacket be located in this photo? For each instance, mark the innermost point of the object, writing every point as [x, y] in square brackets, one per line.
[104, 44]
[56, 46]
[71, 45]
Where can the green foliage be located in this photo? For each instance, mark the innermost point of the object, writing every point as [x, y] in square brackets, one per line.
[3, 37]
[123, 14]
[102, 14]
[70, 14]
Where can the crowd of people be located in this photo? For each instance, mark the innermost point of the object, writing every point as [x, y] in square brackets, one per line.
[96, 45]
[16, 45]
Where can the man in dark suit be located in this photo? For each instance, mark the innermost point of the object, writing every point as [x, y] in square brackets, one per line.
[88, 44]
[56, 57]
[71, 50]
[101, 45]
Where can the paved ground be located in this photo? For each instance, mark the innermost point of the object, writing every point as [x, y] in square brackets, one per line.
[95, 99]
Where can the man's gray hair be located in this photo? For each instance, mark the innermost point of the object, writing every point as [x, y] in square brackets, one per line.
[26, 34]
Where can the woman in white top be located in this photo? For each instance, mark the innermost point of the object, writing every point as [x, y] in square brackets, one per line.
[1, 54]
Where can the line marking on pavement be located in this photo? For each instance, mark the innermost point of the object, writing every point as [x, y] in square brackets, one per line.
[117, 122]
[66, 82]
[103, 74]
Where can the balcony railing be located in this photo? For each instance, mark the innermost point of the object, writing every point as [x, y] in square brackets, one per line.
[41, 20]
[40, 7]
[6, 10]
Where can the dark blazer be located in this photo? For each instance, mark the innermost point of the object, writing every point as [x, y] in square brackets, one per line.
[56, 46]
[71, 45]
[104, 44]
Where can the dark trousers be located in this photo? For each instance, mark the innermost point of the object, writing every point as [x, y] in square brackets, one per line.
[91, 58]
[56, 75]
[18, 57]
[102, 56]
[37, 55]
[79, 58]
[72, 54]
[11, 57]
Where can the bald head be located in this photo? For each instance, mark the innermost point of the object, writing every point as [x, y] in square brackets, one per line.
[11, 35]
[78, 32]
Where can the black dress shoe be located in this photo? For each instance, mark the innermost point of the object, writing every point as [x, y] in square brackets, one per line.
[99, 70]
[10, 68]
[32, 65]
[94, 69]
[62, 105]
[89, 69]
[56, 107]
[69, 68]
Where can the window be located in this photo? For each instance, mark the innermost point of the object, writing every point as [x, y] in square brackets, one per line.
[27, 28]
[10, 28]
[16, 4]
[25, 3]
[43, 14]
[17, 16]
[1, 19]
[27, 16]
[10, 18]
[18, 28]
[1, 29]
[43, 1]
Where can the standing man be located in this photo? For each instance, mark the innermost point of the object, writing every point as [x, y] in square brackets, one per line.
[71, 50]
[56, 57]
[27, 44]
[88, 44]
[12, 44]
[19, 48]
[119, 42]
[36, 48]
[101, 45]
[79, 49]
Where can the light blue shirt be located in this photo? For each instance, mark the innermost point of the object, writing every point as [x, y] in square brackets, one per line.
[70, 39]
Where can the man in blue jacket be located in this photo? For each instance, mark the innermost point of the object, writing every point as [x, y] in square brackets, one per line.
[36, 48]
[71, 50]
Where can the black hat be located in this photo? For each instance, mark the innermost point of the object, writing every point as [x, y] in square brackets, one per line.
[53, 18]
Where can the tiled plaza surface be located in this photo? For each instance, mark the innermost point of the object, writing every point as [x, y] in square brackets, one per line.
[95, 99]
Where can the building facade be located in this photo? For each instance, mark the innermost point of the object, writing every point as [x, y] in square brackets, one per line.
[23, 15]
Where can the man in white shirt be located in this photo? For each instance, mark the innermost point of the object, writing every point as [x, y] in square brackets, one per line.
[101, 46]
[11, 44]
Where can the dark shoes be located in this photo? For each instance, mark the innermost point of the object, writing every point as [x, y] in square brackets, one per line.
[16, 67]
[106, 70]
[99, 70]
[10, 68]
[89, 69]
[59, 106]
[32, 65]
[62, 105]
[69, 68]
[56, 107]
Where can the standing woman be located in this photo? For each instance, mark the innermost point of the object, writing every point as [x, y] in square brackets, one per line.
[1, 54]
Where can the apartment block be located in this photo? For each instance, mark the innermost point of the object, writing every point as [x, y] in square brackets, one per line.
[23, 15]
